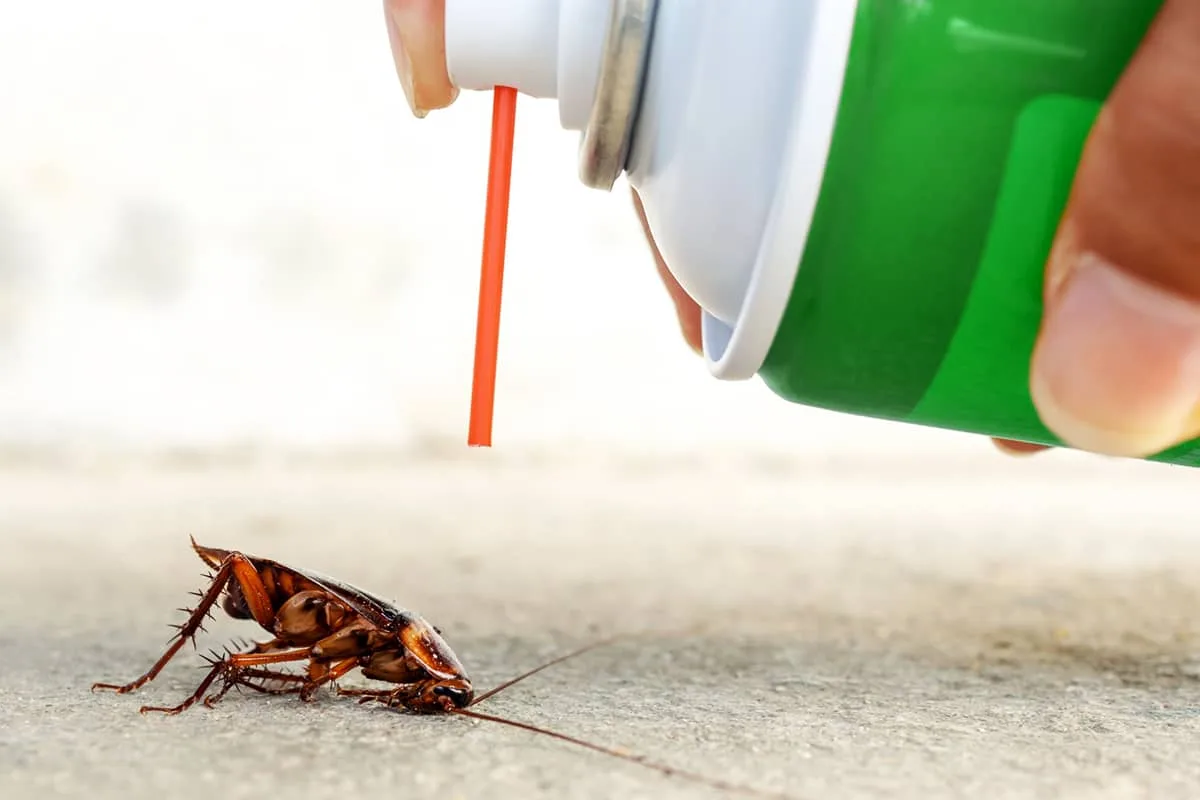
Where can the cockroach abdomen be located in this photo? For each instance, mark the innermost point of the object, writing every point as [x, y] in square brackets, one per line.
[234, 602]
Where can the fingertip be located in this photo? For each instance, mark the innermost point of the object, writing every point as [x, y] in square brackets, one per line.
[1012, 447]
[687, 310]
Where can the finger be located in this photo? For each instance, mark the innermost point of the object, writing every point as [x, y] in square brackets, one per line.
[1117, 365]
[686, 309]
[417, 34]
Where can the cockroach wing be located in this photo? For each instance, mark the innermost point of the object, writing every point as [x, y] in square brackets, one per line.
[375, 610]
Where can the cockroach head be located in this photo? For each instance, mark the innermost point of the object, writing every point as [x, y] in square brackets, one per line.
[444, 697]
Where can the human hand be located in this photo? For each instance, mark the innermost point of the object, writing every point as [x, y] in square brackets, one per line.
[1116, 369]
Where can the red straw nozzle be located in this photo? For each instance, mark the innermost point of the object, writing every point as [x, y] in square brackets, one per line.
[491, 278]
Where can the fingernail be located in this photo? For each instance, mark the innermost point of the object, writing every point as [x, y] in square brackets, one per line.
[1117, 366]
[401, 58]
[417, 40]
[404, 72]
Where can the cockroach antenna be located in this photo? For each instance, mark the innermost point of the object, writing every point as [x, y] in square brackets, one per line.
[665, 769]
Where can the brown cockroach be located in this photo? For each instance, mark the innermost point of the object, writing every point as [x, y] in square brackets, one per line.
[336, 628]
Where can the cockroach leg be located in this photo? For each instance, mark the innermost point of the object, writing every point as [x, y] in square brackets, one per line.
[389, 697]
[258, 659]
[212, 700]
[304, 686]
[246, 676]
[331, 674]
[249, 675]
[230, 667]
[185, 632]
[235, 567]
[217, 669]
[365, 695]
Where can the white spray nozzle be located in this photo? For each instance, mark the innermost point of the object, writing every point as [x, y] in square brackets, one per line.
[541, 48]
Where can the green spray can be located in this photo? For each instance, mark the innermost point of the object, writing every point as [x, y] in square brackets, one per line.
[861, 195]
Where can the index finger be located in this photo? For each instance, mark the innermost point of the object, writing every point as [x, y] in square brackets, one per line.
[417, 34]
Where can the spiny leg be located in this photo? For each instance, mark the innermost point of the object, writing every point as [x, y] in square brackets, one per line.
[247, 676]
[236, 567]
[230, 666]
[250, 677]
[240, 667]
[186, 631]
[217, 668]
[257, 678]
[279, 656]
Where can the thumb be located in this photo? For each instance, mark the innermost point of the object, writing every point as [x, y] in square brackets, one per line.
[1117, 366]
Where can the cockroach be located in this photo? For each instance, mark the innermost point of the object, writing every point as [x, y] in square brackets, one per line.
[336, 627]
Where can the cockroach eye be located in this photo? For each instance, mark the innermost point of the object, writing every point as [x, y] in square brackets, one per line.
[460, 697]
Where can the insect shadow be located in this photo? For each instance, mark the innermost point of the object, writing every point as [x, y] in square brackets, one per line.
[336, 628]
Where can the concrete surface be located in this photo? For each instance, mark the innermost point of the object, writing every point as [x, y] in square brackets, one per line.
[906, 629]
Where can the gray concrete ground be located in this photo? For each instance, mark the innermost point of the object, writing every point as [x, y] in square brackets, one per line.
[917, 629]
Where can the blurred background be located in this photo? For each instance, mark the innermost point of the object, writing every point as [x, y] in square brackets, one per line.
[221, 229]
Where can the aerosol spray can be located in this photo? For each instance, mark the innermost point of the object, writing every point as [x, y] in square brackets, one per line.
[861, 195]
